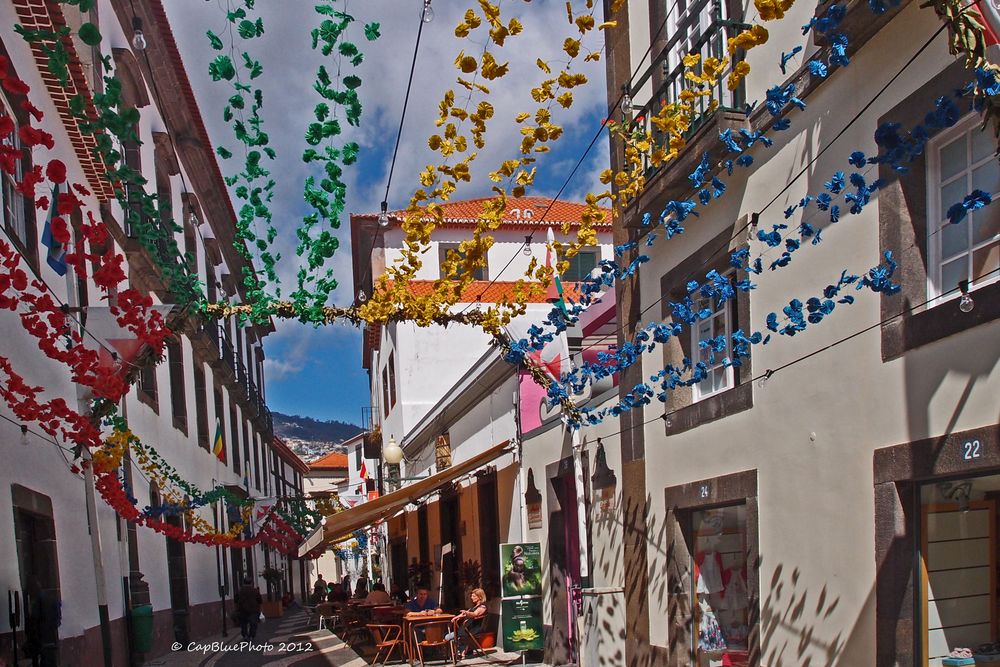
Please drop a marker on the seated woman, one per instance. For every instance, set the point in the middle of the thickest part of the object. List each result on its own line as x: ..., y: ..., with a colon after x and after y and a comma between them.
x: 469, y: 623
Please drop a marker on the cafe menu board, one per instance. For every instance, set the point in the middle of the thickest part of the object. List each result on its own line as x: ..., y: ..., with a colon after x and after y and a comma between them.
x: 521, y: 624
x: 521, y: 587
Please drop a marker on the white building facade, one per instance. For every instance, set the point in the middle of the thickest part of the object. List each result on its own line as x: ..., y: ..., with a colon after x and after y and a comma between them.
x: 212, y: 376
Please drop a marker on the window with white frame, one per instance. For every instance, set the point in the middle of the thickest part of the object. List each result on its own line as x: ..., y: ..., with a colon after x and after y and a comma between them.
x: 960, y: 160
x: 719, y: 376
x: 14, y: 218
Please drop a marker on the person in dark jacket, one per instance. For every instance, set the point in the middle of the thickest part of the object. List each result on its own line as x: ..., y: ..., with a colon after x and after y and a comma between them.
x: 248, y: 605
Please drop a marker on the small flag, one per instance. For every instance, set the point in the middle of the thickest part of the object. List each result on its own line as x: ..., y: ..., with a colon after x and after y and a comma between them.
x: 217, y: 447
x: 56, y: 256
x: 364, y: 471
x: 554, y: 294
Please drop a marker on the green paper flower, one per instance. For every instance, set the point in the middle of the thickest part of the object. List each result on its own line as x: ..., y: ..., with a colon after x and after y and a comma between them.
x: 372, y: 31
x: 223, y: 152
x: 221, y: 68
x: 90, y: 35
x: 352, y: 81
x: 214, y: 41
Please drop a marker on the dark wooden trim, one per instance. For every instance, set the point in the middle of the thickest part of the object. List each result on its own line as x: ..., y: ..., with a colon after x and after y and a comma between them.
x: 938, y: 457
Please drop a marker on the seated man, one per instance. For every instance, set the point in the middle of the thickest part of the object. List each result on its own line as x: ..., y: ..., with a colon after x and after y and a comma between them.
x: 423, y: 604
x: 378, y: 595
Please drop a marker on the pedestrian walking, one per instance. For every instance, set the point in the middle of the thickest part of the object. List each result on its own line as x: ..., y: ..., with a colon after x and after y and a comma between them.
x: 248, y: 605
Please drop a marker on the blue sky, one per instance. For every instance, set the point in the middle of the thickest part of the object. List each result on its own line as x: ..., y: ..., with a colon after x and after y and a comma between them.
x: 317, y: 372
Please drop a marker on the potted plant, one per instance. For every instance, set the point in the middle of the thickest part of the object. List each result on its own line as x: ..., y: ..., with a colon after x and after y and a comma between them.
x: 272, y: 608
x: 470, y: 575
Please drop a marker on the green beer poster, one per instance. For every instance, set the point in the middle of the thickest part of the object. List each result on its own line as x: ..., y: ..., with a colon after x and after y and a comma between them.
x: 521, y: 624
x: 521, y: 569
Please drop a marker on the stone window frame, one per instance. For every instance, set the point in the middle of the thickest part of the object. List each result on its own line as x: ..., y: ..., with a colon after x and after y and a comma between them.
x: 684, y: 413
x: 969, y: 124
x: 907, y: 323
x: 899, y: 472
x: 681, y: 501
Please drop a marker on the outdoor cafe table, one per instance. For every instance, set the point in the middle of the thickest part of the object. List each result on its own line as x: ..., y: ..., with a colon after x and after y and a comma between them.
x: 411, y: 620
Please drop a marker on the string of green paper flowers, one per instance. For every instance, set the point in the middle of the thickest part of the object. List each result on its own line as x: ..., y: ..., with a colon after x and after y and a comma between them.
x: 328, y: 197
x: 113, y: 125
x: 253, y: 185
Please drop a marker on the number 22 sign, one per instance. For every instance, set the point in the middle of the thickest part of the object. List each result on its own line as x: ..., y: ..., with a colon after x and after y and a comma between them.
x: 972, y: 450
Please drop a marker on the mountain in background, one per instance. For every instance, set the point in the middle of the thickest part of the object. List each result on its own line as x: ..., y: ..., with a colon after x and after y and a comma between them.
x: 311, y: 438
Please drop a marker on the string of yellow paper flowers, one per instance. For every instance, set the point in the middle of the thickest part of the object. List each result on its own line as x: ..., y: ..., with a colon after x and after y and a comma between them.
x: 392, y: 296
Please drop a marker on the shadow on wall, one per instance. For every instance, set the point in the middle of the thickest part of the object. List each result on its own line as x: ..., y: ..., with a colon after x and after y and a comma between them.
x: 795, y: 622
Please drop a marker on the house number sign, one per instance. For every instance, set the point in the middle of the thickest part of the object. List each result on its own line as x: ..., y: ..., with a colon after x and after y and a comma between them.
x: 972, y: 450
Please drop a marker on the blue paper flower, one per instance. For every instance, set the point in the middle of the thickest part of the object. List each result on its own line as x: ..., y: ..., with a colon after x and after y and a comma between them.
x: 786, y: 57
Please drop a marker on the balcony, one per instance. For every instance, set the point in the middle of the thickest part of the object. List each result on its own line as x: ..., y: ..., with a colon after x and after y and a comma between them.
x: 702, y: 30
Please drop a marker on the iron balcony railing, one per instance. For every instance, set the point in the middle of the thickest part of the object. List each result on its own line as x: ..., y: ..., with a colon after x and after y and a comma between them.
x: 705, y: 31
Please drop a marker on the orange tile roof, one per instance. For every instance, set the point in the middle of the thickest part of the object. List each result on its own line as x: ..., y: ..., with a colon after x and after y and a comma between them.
x: 332, y: 461
x: 520, y: 212
x: 483, y: 291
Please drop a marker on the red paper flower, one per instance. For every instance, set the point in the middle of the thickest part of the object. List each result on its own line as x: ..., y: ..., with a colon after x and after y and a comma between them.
x: 56, y: 171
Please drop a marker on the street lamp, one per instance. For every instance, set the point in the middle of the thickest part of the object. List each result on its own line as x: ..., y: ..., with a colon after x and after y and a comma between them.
x: 392, y: 453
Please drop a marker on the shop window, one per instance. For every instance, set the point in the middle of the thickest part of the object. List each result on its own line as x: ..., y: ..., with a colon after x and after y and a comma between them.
x: 444, y: 249
x: 721, y: 600
x: 712, y: 570
x: 580, y: 265
x: 958, y: 550
x: 961, y: 160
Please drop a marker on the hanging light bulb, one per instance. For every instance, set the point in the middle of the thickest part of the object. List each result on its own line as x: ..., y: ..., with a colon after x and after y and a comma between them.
x: 362, y: 297
x: 383, y: 216
x: 192, y: 219
x: 764, y: 378
x: 138, y: 39
x: 428, y: 14
x: 626, y: 100
x: 24, y: 435
x: 526, y: 251
x: 965, y: 304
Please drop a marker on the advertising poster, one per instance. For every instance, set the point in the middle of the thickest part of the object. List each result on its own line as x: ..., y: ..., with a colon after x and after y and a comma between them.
x: 521, y: 569
x: 521, y: 624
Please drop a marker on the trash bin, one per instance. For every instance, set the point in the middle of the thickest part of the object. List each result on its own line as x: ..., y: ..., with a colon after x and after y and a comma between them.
x: 142, y: 628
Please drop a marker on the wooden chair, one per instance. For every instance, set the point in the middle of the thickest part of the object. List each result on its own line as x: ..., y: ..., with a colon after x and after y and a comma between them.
x: 353, y: 626
x: 388, y: 638
x: 433, y: 637
x: 328, y: 616
x: 471, y: 639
